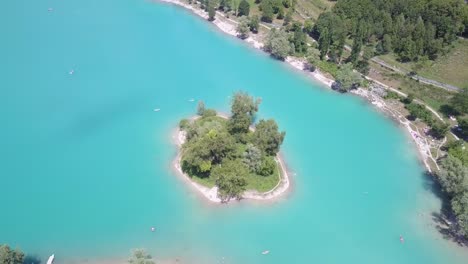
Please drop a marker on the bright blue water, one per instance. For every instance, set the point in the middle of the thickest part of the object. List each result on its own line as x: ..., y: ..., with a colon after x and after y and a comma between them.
x: 86, y: 163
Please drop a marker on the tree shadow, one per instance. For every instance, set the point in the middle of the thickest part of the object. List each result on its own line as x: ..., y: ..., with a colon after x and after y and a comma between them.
x: 459, y: 133
x: 444, y: 220
x: 448, y: 110
x: 29, y: 259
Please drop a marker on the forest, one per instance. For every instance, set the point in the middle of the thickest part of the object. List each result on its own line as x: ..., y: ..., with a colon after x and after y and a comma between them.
x: 411, y: 29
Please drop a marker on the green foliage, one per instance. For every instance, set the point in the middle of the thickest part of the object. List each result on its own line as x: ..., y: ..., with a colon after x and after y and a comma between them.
x: 230, y: 179
x: 243, y: 28
x: 418, y: 111
x: 10, y: 256
x: 311, y: 63
x: 267, y: 11
x: 244, y: 8
x: 211, y: 10
x: 363, y: 67
x: 463, y: 127
x: 209, y: 112
x: 409, y: 99
x: 184, y: 124
x: 267, y: 167
x: 331, y: 33
x: 391, y: 95
x: 454, y: 180
x: 226, y: 153
x: 252, y: 158
x: 328, y: 66
x: 460, y: 102
x: 438, y: 129
x: 277, y: 43
x: 458, y: 150
x: 309, y: 26
x: 200, y: 108
x: 412, y: 29
x: 299, y: 38
x: 243, y: 110
x: 254, y: 23
x: 280, y: 14
x: 288, y: 18
x: 267, y: 137
x: 346, y: 78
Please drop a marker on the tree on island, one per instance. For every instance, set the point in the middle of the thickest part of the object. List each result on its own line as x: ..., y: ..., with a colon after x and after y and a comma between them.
x: 230, y: 179
x: 267, y: 137
x: 243, y: 110
x: 139, y: 256
x: 200, y: 108
x: 244, y: 8
x: 226, y: 153
x: 10, y: 256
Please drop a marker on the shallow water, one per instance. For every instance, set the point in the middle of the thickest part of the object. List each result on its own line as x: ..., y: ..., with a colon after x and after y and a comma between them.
x: 86, y: 162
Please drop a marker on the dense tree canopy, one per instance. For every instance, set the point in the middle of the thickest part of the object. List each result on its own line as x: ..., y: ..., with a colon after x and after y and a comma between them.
x: 331, y: 33
x: 254, y: 23
x: 244, y: 8
x: 410, y: 28
x: 243, y: 109
x: 226, y: 152
x: 454, y: 180
x: 267, y: 11
x: 231, y: 179
x: 267, y: 137
x: 277, y: 44
x: 346, y: 78
x: 10, y: 256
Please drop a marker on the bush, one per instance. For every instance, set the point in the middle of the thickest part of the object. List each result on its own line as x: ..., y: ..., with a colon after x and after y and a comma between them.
x: 184, y: 124
x: 209, y: 112
x: 391, y: 95
x: 267, y: 167
x: 409, y: 99
x: 278, y: 44
x: 439, y: 129
x: 419, y: 111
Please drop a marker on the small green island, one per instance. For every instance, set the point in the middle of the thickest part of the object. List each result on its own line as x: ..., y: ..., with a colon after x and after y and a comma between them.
x: 233, y: 156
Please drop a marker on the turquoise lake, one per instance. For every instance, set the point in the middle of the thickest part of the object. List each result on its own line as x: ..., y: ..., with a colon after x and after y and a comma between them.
x: 86, y: 163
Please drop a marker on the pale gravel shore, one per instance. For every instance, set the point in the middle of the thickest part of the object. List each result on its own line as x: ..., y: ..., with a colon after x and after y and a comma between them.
x: 229, y: 26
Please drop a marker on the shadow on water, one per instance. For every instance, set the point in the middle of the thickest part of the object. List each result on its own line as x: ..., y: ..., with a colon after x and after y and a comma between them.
x: 29, y: 259
x: 444, y: 220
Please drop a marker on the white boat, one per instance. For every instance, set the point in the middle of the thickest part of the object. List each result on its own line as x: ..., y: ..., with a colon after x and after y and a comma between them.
x: 51, y: 259
x: 265, y: 252
x: 156, y: 109
x: 191, y: 100
x: 71, y: 72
